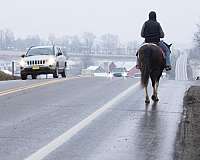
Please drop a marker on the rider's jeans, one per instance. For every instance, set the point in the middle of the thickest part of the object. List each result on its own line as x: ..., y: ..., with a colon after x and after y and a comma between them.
x: 167, y: 52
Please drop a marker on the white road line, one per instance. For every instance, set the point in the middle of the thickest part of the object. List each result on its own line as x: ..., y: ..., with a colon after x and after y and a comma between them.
x: 57, y: 142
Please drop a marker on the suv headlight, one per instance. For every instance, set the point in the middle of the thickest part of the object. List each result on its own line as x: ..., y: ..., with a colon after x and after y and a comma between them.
x: 51, y: 61
x: 22, y: 63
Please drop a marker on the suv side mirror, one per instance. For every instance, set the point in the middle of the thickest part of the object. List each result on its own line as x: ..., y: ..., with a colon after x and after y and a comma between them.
x: 59, y: 54
x: 23, y: 55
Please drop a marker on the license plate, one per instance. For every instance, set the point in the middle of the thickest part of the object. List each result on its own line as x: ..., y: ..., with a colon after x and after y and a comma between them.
x: 35, y: 67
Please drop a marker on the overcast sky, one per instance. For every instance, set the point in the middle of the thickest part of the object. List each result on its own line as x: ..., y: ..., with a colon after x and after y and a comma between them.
x: 178, y: 18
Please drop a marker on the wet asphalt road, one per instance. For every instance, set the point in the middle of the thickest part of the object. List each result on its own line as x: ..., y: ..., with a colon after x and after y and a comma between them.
x: 127, y: 130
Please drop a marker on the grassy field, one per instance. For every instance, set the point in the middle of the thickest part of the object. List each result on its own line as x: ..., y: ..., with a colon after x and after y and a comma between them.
x: 4, y: 77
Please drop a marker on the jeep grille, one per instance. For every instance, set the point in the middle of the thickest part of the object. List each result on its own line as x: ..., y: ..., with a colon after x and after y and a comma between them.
x: 36, y: 62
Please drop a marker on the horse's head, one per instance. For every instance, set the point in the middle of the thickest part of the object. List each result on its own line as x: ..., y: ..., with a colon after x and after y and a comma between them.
x: 168, y: 45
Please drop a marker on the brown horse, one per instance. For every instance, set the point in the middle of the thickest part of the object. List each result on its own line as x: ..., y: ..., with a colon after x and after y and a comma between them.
x: 152, y: 65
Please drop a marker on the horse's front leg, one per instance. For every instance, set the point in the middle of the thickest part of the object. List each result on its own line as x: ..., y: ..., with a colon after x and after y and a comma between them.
x: 146, y: 95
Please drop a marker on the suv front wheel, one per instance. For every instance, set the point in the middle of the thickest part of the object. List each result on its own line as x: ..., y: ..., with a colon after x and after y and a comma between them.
x: 23, y: 76
x: 63, y: 73
x: 55, y: 74
x: 34, y: 76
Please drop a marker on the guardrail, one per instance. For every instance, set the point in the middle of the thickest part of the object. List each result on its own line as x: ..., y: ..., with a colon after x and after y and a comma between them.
x: 12, y: 67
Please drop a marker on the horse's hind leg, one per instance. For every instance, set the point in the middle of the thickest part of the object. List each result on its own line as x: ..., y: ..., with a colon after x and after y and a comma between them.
x: 146, y: 95
x: 155, y: 91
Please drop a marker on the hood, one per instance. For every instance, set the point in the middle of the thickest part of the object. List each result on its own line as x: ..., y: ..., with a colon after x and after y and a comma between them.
x: 38, y: 57
x: 152, y: 16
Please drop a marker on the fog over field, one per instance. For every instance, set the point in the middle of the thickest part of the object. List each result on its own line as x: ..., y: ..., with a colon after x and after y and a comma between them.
x: 10, y: 55
x: 122, y: 17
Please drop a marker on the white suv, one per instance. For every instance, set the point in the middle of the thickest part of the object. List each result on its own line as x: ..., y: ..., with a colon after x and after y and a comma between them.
x: 43, y: 60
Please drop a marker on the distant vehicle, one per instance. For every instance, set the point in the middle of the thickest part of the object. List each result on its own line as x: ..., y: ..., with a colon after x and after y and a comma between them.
x: 137, y: 75
x: 119, y: 72
x: 43, y: 60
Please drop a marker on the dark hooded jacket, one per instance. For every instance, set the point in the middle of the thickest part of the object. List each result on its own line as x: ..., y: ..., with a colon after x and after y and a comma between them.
x: 152, y: 30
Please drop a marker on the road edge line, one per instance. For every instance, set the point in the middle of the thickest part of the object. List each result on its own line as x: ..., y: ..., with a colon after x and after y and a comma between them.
x: 60, y: 140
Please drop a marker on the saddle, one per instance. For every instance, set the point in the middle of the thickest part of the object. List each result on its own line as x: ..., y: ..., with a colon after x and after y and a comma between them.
x: 138, y: 64
x: 157, y: 44
x: 167, y: 67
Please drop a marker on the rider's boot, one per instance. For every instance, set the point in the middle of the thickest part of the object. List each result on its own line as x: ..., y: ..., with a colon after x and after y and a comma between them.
x: 167, y: 52
x: 168, y: 66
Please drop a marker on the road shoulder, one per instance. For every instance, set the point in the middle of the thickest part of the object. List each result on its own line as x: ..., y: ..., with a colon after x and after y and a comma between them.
x: 188, y: 137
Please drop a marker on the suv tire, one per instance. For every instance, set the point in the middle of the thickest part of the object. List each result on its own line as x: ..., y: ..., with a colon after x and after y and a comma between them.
x: 23, y: 76
x: 34, y: 76
x: 63, y: 73
x: 55, y: 74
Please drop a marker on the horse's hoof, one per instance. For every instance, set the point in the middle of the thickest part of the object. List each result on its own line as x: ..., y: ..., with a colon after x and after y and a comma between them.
x: 154, y: 98
x: 147, y: 101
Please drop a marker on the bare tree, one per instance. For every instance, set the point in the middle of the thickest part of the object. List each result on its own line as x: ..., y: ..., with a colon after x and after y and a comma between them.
x: 197, y: 36
x: 32, y: 40
x: 132, y: 47
x: 88, y: 41
x: 194, y: 53
x: 52, y: 39
x: 9, y: 39
x: 109, y: 43
x: 64, y: 41
x: 87, y: 61
x: 2, y: 39
x: 75, y: 44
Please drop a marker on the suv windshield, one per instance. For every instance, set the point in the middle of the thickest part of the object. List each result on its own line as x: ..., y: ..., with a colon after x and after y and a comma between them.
x: 40, y: 51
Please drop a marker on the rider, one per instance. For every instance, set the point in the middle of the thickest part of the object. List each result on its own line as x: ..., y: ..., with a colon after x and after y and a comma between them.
x: 152, y: 32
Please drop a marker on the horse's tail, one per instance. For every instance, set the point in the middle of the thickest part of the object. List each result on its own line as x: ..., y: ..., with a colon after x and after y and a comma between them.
x: 145, y: 72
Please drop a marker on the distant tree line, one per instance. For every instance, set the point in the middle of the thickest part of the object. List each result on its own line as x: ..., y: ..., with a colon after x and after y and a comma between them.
x: 87, y: 43
x: 195, y: 52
